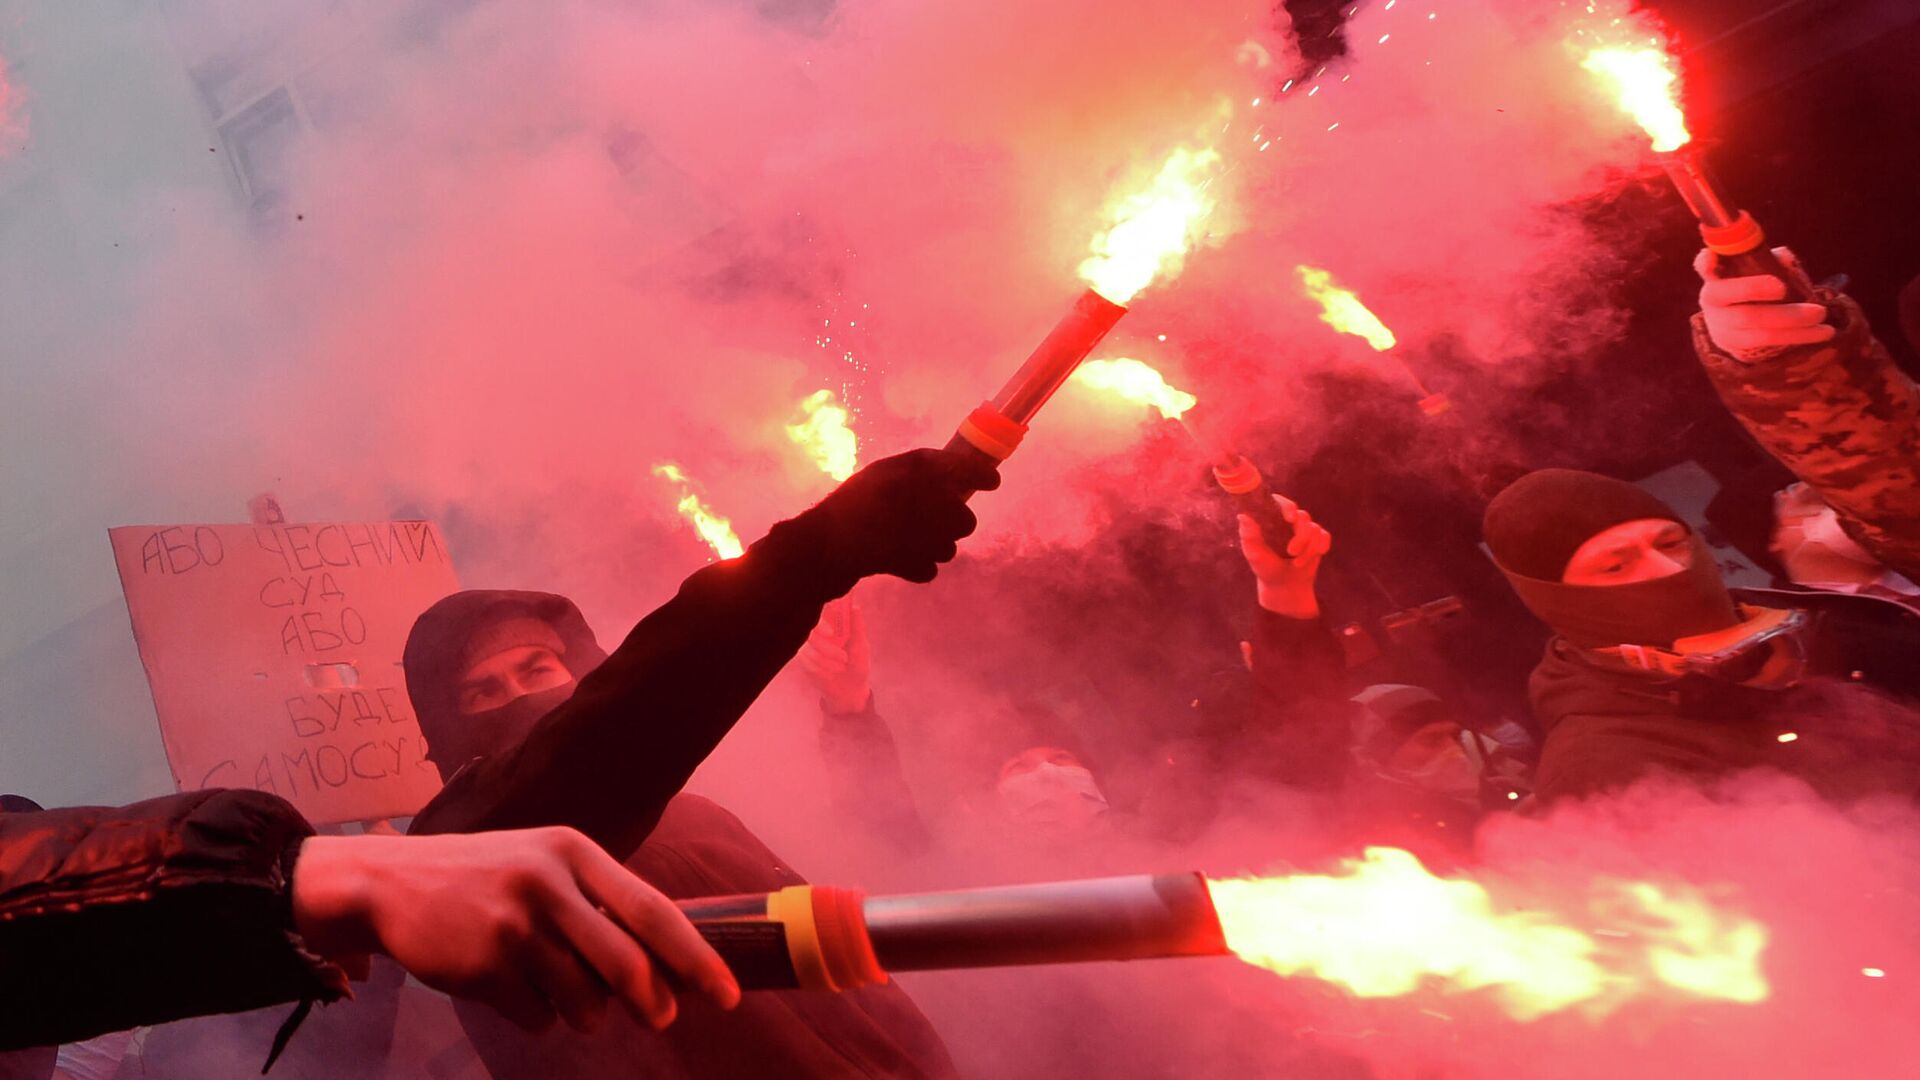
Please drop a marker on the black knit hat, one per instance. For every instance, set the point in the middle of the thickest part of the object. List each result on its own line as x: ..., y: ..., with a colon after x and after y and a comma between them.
x: 18, y: 804
x: 1541, y: 519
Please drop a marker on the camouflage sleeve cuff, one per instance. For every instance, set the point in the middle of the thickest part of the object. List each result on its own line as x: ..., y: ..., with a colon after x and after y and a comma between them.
x: 1788, y: 364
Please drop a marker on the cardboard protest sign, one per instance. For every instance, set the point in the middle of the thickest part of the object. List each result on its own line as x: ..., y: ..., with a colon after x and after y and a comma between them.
x: 274, y: 652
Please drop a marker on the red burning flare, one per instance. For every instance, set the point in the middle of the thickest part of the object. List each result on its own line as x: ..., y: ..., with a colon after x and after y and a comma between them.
x: 1385, y: 926
x: 1647, y: 88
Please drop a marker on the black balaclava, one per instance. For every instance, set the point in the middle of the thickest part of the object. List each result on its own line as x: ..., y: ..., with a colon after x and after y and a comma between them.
x: 1540, y: 520
x: 438, y: 651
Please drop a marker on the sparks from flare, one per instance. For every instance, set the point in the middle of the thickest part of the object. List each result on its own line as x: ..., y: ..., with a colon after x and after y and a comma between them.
x: 1646, y: 88
x: 823, y: 433
x: 1135, y: 381
x: 1152, y: 229
x: 1387, y: 926
x: 717, y: 531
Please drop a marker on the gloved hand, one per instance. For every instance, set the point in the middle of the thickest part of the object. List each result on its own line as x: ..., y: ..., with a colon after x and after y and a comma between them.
x: 1285, y: 580
x: 902, y: 515
x: 1748, y: 316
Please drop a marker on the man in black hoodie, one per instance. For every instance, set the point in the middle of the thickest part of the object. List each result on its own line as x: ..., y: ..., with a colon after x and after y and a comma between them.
x: 531, y: 723
x: 1656, y: 666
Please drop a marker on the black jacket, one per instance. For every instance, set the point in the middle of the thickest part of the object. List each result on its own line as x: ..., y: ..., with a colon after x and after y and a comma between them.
x: 699, y: 849
x: 113, y: 917
x: 1853, y: 719
x: 610, y: 762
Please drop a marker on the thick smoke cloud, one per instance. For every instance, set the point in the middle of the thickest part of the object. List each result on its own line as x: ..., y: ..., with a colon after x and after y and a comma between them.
x: 509, y: 256
x: 512, y: 257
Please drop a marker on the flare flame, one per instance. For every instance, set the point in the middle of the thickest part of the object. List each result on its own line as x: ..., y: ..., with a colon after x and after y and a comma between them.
x: 823, y: 433
x: 1341, y: 309
x: 717, y: 531
x: 1152, y: 229
x: 1644, y: 82
x: 1387, y: 926
x: 1135, y: 381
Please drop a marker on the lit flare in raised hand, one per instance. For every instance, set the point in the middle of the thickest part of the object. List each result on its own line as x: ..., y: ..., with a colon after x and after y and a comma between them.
x: 716, y: 530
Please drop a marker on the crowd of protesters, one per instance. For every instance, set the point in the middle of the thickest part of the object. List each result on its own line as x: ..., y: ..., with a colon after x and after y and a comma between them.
x: 537, y: 887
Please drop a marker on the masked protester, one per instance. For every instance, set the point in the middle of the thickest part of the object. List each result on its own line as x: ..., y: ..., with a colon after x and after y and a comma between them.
x: 530, y: 722
x: 1656, y: 666
x: 1812, y: 384
x: 1050, y: 794
x: 483, y: 670
x: 1042, y: 793
x: 628, y: 735
x: 1398, y: 763
x: 1040, y: 796
x: 1413, y: 752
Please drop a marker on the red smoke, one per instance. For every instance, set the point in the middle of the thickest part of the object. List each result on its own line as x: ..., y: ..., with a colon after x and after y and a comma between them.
x: 531, y: 250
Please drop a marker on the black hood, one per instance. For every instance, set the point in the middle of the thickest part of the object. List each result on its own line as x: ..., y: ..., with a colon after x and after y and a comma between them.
x: 439, y: 639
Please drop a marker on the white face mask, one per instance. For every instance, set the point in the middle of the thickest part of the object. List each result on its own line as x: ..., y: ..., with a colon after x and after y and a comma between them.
x: 1451, y: 773
x: 1060, y: 798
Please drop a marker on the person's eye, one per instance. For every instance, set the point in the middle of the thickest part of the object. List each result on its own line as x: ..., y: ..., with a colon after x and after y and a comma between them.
x: 481, y: 697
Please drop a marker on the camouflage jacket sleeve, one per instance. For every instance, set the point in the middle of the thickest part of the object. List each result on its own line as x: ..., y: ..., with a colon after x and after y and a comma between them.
x: 1843, y: 418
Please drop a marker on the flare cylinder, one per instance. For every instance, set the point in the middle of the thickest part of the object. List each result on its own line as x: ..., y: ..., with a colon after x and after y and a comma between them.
x: 997, y: 426
x: 1731, y: 234
x: 815, y: 937
x: 1242, y: 480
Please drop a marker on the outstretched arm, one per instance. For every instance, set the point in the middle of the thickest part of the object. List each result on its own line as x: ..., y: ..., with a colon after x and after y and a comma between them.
x: 1823, y: 396
x: 224, y: 901
x: 1296, y: 662
x: 863, y: 763
x: 608, y: 760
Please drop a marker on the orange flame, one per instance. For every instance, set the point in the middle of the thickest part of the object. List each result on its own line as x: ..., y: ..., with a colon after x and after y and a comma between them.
x: 1387, y: 926
x: 1341, y: 309
x: 717, y: 531
x: 1152, y: 229
x: 823, y: 433
x: 1135, y: 381
x: 1648, y: 90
